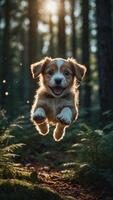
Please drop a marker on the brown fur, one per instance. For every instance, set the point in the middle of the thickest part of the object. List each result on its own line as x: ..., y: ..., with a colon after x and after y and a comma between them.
x: 52, y: 105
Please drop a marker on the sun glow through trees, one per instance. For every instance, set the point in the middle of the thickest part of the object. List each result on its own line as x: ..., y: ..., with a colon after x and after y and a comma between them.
x: 51, y: 6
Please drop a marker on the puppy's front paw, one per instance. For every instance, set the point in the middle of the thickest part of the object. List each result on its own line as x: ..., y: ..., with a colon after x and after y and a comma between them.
x: 39, y: 116
x: 65, y: 116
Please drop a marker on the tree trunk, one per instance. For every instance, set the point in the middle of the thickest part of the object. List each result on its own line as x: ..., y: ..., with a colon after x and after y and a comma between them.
x: 105, y: 54
x: 33, y: 39
x: 5, y: 71
x: 85, y: 53
x: 61, y: 30
x: 33, y: 34
x: 73, y: 37
x: 51, y: 48
x: 1, y: 39
x: 24, y: 69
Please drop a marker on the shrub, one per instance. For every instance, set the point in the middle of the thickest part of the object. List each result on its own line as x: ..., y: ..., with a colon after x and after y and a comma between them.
x: 94, y: 152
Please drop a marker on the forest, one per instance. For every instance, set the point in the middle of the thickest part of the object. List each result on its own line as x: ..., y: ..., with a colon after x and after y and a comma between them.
x: 81, y: 165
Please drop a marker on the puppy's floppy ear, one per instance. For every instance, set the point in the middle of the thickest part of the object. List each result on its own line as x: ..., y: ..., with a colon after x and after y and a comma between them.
x: 37, y: 68
x: 79, y: 70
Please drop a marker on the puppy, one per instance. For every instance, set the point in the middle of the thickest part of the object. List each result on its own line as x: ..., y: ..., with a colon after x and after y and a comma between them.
x: 56, y: 100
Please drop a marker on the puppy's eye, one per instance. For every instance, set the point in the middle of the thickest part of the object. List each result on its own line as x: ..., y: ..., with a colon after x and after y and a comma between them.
x: 66, y: 73
x: 50, y: 73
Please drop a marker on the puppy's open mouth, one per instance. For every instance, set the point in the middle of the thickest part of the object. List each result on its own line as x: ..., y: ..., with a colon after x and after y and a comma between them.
x: 57, y: 90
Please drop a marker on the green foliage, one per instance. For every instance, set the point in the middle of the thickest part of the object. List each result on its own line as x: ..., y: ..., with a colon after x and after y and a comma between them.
x: 15, y: 189
x: 94, y: 153
x: 94, y: 147
x: 8, y: 148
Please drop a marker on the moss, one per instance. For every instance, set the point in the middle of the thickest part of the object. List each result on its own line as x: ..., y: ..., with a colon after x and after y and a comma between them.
x: 16, y: 189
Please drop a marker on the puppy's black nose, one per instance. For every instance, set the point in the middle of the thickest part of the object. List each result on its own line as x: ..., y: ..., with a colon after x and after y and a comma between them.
x: 58, y: 81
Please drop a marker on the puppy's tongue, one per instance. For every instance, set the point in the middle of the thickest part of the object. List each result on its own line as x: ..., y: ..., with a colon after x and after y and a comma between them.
x: 57, y: 90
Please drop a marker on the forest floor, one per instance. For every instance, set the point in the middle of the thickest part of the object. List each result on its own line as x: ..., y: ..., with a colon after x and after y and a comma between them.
x: 55, y: 168
x: 53, y: 179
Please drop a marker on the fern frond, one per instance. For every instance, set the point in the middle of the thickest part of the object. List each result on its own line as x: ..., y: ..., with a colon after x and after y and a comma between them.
x: 11, y: 148
x: 4, y: 137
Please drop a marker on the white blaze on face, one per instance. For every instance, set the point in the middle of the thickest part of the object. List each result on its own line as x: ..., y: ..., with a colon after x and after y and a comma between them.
x: 59, y: 63
x: 58, y: 74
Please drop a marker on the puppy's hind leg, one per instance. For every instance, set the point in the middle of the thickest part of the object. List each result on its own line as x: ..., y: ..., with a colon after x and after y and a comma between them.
x: 59, y: 132
x: 43, y: 128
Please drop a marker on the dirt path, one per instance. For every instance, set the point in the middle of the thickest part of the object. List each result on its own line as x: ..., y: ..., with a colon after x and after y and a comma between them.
x: 51, y: 173
x: 53, y: 179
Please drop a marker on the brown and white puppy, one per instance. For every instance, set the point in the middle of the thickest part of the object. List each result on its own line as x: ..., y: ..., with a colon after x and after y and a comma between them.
x: 56, y: 100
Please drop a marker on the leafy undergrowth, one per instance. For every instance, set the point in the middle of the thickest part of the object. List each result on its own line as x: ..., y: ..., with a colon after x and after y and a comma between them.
x: 78, y: 167
x: 20, y: 189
